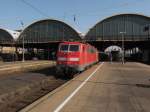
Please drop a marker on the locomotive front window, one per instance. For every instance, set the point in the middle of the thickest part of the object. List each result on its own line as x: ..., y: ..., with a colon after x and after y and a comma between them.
x: 74, y: 48
x: 64, y: 47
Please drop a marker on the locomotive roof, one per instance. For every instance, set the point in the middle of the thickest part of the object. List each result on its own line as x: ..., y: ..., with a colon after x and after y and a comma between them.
x: 66, y: 42
x: 71, y: 42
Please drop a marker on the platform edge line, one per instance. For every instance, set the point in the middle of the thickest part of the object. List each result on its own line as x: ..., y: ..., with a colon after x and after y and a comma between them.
x: 77, y: 89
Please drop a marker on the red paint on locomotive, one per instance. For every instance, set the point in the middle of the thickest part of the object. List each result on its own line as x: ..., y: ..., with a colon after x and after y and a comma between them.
x: 76, y: 56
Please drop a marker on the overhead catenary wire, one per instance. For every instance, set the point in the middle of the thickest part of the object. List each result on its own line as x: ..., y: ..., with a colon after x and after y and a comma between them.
x: 79, y: 15
x: 67, y: 14
x: 35, y: 8
x: 107, y: 9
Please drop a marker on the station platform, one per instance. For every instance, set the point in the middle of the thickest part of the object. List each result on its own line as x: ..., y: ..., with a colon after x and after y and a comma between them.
x: 105, y: 87
x: 9, y: 67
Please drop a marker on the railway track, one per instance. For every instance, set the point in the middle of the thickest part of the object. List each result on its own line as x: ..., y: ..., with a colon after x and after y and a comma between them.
x: 18, y: 91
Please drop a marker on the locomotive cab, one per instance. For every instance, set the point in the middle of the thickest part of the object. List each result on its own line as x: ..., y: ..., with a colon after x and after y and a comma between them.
x: 68, y: 57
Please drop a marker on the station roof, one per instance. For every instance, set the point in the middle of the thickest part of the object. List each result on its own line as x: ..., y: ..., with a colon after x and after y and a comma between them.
x: 110, y: 27
x: 48, y: 30
x: 8, y: 36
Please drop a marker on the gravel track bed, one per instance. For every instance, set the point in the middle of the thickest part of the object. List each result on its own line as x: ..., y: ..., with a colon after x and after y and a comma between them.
x: 20, y: 90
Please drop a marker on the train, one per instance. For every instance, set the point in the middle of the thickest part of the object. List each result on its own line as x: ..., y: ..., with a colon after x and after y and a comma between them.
x: 73, y: 57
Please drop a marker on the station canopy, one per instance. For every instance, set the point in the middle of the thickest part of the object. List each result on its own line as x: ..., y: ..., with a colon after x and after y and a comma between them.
x: 130, y: 26
x: 48, y: 30
x: 8, y: 36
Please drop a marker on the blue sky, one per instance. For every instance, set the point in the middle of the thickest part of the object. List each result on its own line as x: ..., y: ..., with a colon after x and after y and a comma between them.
x: 87, y: 12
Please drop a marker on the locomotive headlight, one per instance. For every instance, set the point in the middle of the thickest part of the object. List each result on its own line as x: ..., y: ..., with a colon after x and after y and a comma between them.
x: 74, y: 59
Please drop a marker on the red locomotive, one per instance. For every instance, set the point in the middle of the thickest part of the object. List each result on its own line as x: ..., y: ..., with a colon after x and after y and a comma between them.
x: 75, y: 57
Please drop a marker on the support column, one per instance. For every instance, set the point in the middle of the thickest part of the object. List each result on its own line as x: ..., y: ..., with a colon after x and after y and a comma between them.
x: 146, y: 56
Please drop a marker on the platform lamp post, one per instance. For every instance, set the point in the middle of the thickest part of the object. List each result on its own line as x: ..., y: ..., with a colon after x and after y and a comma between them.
x: 122, y: 36
x: 22, y: 24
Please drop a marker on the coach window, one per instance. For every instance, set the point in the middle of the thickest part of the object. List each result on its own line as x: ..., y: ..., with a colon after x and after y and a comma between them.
x: 88, y: 50
x: 92, y: 50
x: 74, y: 48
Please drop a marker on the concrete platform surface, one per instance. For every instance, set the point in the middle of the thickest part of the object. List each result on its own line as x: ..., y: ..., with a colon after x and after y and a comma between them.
x: 20, y: 63
x: 23, y: 66
x: 103, y: 88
